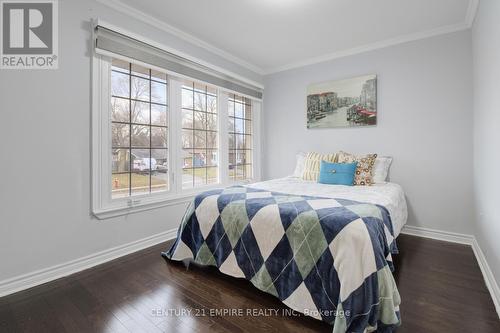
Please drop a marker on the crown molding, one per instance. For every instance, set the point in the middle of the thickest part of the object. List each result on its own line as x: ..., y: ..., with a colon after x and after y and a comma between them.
x: 471, y: 12
x: 372, y: 46
x: 146, y: 18
x: 131, y: 11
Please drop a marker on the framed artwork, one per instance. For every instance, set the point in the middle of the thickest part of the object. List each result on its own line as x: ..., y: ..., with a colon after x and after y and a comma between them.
x: 343, y: 103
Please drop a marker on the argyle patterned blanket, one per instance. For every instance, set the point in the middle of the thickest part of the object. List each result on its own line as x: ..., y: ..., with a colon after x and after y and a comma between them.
x: 326, y: 258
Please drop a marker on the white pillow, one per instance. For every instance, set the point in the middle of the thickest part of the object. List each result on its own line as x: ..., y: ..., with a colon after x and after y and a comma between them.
x: 381, y: 169
x: 300, y: 164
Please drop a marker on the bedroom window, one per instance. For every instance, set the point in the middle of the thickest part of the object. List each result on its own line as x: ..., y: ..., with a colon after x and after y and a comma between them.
x: 139, y: 128
x: 199, y: 135
x: 160, y: 126
x: 240, y: 138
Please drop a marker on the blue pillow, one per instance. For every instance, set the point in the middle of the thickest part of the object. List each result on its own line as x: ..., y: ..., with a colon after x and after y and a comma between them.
x: 337, y: 173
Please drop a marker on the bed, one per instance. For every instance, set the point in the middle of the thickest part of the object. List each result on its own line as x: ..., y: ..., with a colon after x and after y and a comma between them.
x: 323, y: 250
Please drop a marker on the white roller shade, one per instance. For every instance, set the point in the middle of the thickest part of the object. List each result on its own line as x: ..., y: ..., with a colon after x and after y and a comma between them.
x: 111, y: 41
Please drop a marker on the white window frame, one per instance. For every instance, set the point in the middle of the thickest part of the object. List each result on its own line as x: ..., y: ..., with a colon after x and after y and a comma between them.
x: 103, y: 206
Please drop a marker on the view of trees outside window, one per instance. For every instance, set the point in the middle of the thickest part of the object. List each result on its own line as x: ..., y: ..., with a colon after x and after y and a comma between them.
x: 139, y: 129
x: 240, y: 137
x: 200, y: 154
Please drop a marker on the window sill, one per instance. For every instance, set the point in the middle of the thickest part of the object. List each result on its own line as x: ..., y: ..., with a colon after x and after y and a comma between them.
x: 140, y: 204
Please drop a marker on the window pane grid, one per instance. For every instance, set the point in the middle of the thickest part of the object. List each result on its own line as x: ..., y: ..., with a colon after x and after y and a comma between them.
x: 199, y: 135
x: 139, y: 100
x: 127, y: 70
x: 200, y: 111
x: 199, y: 92
x: 239, y: 118
x: 139, y: 124
x: 239, y: 133
x: 240, y: 100
x: 240, y: 136
x: 198, y: 129
x: 139, y: 141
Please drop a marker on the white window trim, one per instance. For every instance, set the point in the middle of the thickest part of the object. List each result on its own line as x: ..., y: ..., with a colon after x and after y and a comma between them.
x: 103, y: 206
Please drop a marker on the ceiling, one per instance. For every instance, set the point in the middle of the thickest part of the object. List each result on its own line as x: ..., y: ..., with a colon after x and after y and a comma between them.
x: 272, y: 35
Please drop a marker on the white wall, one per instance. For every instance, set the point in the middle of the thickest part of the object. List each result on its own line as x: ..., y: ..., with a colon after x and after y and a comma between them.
x: 45, y: 147
x: 486, y: 55
x: 424, y: 122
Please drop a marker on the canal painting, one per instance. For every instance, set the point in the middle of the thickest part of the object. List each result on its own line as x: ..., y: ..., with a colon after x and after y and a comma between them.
x: 344, y: 103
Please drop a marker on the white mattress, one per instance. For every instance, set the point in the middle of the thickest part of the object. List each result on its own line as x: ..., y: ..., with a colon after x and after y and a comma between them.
x: 389, y: 195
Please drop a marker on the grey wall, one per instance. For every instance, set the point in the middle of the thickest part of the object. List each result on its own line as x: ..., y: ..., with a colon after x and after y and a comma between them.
x: 486, y: 55
x: 45, y: 153
x: 425, y: 123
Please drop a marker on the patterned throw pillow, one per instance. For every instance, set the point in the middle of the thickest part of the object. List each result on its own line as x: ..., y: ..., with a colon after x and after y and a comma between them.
x: 364, y: 171
x: 312, y: 164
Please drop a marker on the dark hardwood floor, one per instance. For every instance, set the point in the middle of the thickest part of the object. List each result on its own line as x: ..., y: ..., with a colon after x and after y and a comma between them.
x: 441, y: 286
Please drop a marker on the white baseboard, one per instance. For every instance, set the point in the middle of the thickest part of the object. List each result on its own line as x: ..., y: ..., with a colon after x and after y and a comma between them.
x: 438, y: 235
x: 35, y: 278
x: 446, y: 236
x: 489, y: 278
